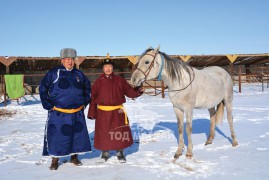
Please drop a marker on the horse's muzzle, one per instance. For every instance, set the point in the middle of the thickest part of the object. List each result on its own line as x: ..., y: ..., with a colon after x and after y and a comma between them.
x: 136, y: 82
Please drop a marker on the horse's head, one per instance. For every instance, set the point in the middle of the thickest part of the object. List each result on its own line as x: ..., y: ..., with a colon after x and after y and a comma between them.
x: 148, y: 67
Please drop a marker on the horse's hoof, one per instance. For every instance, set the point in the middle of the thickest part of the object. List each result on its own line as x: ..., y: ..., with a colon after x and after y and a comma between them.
x: 208, y: 142
x: 234, y: 144
x: 189, y: 156
x: 176, y: 156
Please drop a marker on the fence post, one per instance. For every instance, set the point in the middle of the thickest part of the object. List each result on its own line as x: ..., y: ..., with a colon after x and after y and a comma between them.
x: 248, y: 74
x: 267, y: 80
x: 155, y: 87
x: 7, y: 69
x: 266, y: 75
x: 239, y: 79
x: 262, y: 81
x: 231, y: 70
x: 162, y: 89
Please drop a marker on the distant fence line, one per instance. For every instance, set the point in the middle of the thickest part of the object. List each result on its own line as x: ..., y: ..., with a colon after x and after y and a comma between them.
x: 154, y: 87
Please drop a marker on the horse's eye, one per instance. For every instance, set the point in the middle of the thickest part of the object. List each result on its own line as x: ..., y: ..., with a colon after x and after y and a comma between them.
x: 147, y: 62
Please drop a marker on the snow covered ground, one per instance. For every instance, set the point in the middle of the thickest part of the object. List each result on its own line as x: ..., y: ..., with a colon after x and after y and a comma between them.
x: 150, y: 157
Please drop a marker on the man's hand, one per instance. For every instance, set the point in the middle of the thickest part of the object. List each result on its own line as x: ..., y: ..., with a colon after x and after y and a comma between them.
x: 91, y: 118
x: 141, y: 89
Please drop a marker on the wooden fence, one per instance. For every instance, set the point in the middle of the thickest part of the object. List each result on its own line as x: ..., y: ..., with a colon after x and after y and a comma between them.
x: 154, y: 87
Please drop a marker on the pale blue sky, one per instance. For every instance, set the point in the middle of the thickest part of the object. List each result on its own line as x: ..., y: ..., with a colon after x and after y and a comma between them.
x: 128, y: 27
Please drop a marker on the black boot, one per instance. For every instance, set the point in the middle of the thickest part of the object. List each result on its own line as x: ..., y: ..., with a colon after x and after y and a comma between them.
x: 121, y: 156
x: 104, y: 157
x: 75, y: 161
x: 54, y: 164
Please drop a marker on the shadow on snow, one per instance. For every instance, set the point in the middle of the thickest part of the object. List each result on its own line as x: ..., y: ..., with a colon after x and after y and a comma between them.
x: 199, y: 126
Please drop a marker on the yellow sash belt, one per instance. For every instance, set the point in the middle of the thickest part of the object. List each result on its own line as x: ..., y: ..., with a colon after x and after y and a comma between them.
x: 68, y: 111
x: 111, y: 108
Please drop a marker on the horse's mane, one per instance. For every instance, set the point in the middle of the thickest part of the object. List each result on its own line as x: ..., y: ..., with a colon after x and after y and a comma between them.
x: 173, y: 65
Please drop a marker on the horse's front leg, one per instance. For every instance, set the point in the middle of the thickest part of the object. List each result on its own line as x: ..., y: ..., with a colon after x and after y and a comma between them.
x: 179, y: 114
x: 189, y: 115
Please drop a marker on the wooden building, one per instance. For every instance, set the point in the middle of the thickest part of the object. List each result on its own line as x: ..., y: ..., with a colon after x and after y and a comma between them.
x: 34, y: 68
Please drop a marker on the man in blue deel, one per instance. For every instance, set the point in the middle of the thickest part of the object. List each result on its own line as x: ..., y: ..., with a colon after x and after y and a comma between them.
x: 65, y: 92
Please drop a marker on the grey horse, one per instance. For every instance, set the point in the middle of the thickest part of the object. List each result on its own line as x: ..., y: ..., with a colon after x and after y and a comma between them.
x: 189, y: 88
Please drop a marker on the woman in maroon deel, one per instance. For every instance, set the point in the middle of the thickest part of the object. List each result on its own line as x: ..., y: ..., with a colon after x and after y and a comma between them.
x: 112, y: 130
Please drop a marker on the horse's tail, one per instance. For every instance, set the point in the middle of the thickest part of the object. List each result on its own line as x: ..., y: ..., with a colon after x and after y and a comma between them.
x: 219, y: 113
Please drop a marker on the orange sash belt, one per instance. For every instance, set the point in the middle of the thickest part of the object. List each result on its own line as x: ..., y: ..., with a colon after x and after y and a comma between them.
x: 68, y: 111
x: 112, y: 108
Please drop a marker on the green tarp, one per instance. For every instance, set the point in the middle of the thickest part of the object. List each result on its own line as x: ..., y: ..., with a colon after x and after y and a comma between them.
x: 14, y: 86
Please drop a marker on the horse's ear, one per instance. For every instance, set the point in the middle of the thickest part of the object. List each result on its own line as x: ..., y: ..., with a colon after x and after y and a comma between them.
x: 157, y: 49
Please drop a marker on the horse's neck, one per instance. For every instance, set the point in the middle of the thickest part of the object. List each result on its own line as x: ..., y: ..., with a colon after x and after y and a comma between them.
x: 174, y: 85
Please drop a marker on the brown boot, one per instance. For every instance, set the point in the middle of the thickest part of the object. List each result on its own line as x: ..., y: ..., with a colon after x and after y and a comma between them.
x: 75, y: 161
x: 54, y: 164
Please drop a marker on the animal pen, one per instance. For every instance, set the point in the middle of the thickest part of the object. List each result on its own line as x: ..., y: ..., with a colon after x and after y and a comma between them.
x: 244, y: 68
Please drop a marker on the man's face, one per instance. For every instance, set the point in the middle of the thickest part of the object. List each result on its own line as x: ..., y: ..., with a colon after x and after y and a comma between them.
x: 68, y: 63
x: 108, y: 69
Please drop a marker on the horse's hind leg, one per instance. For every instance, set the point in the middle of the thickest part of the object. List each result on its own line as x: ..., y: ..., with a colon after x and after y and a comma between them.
x: 179, y: 114
x: 212, y: 113
x: 230, y: 120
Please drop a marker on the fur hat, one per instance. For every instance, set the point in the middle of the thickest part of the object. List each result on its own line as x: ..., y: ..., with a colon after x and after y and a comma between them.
x: 68, y: 53
x: 108, y: 61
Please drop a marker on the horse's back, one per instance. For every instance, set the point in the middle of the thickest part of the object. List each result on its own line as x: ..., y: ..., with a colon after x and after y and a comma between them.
x: 213, y: 85
x: 223, y: 76
x: 219, y: 73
